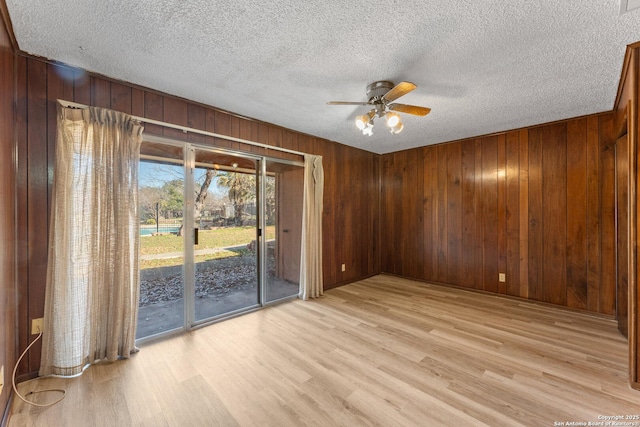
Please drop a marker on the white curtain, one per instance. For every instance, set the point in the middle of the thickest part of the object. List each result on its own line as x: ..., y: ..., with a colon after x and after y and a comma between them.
x: 92, y: 289
x: 311, y: 250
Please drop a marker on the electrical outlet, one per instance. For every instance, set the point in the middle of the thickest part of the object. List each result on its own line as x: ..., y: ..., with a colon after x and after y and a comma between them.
x: 37, y: 325
x: 344, y: 267
x: 502, y: 277
x: 1, y: 378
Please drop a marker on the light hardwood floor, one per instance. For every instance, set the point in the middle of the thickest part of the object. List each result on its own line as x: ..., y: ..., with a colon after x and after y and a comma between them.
x: 383, y: 351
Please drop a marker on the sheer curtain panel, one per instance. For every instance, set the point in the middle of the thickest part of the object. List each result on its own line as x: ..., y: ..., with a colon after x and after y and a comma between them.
x: 311, y: 253
x: 92, y: 289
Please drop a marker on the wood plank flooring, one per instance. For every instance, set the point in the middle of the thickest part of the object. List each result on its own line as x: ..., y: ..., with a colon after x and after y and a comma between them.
x: 383, y: 351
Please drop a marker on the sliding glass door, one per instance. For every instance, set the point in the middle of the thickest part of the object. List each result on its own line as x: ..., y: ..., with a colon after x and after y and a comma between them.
x: 162, y: 285
x: 226, y: 223
x: 284, y: 185
x: 220, y: 234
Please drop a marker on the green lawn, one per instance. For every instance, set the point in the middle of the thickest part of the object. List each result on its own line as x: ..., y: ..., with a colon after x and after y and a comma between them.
x: 170, y: 262
x: 218, y: 238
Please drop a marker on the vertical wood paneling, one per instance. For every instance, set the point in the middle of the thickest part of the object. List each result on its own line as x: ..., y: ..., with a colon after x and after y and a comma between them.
x: 454, y: 214
x: 121, y: 98
x: 222, y: 124
x: 607, y: 217
x: 332, y: 211
x: 137, y: 102
x: 22, y: 179
x: 235, y: 130
x: 346, y: 221
x: 622, y: 249
x: 577, y: 214
x: 469, y: 214
x: 196, y: 118
x: 478, y: 248
x: 343, y: 221
x: 375, y: 209
x: 594, y: 277
x: 290, y: 141
x: 307, y: 144
x: 370, y: 225
x: 401, y: 246
x: 354, y: 253
x: 435, y: 185
x: 398, y: 208
x: 502, y: 211
x: 554, y: 214
x: 153, y: 109
x: 523, y: 171
x: 402, y: 184
x: 490, y: 213
x: 58, y: 87
x: 210, y: 118
x: 441, y: 229
x: 429, y: 212
x: 254, y: 129
x: 512, y: 213
x: 275, y: 140
x: 100, y: 92
x: 240, y: 128
x: 412, y: 247
x: 387, y: 202
x: 535, y: 251
x: 417, y: 245
x: 37, y: 195
x: 529, y: 203
x: 8, y: 226
x: 262, y: 137
x: 81, y: 87
x: 175, y: 111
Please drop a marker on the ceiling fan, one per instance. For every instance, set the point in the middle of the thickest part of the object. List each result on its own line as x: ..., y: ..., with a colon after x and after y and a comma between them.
x: 381, y: 94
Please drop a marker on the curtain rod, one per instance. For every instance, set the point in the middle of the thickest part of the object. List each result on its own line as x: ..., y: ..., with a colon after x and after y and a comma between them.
x: 186, y: 129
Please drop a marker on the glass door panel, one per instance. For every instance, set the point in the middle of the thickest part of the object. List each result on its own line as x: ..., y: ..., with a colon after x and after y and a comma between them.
x: 226, y: 217
x: 220, y: 233
x: 284, y: 185
x: 161, y: 198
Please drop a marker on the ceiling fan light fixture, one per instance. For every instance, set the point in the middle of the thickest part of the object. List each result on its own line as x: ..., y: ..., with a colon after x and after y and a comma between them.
x: 393, y: 119
x: 362, y: 121
x: 397, y: 128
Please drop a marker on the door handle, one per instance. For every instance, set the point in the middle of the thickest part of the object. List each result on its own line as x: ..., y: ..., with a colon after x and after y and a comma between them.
x: 195, y: 236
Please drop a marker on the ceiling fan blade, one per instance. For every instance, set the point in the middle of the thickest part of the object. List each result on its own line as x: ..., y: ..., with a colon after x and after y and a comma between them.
x: 410, y: 109
x: 347, y: 103
x: 398, y: 90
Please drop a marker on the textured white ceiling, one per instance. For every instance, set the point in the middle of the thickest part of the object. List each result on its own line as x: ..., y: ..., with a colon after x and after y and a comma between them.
x: 482, y: 66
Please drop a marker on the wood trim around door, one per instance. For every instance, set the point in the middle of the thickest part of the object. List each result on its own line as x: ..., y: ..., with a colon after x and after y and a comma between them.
x: 632, y: 137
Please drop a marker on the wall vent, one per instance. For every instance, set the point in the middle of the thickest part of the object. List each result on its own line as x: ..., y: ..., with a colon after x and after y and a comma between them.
x: 628, y: 5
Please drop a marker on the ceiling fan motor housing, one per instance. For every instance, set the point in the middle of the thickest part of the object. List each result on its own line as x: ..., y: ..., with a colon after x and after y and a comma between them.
x: 378, y: 89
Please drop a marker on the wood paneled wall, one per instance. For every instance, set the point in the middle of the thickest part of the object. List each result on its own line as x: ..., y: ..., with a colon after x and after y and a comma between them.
x: 628, y: 121
x: 7, y: 215
x: 535, y: 204
x: 351, y: 198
